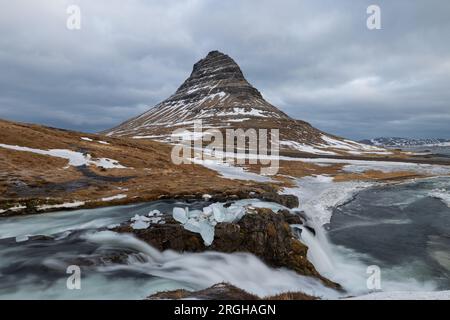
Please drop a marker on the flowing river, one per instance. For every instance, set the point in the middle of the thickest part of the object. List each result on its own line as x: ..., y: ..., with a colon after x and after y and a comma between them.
x: 404, y: 229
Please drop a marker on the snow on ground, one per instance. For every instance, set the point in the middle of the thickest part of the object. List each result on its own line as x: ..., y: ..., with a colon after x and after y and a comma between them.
x: 229, y: 171
x: 90, y: 140
x: 76, y: 159
x: 350, y: 145
x: 116, y: 197
x: 238, y: 120
x: 66, y: 205
x: 359, y: 166
x: 156, y: 137
x: 350, y: 166
x: 187, y: 135
x: 305, y: 148
x: 15, y: 208
x: 405, y: 295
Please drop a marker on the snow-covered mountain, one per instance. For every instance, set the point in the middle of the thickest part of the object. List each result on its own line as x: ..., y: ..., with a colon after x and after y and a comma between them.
x: 393, y: 142
x: 217, y: 93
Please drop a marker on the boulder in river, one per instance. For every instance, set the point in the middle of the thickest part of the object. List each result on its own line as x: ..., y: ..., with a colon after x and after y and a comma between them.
x: 261, y: 231
x: 225, y: 291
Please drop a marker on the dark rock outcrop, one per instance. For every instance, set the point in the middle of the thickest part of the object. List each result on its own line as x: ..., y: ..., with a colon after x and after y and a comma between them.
x: 263, y: 233
x: 288, y: 200
x: 225, y: 291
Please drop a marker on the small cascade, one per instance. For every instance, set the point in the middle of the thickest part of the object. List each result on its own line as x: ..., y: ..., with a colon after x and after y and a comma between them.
x: 319, y: 252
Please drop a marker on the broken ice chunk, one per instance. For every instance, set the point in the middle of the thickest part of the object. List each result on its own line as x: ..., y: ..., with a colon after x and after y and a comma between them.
x: 193, y: 226
x: 195, y: 213
x: 207, y: 232
x: 219, y: 212
x: 180, y: 215
x: 139, y: 225
x: 155, y: 213
x: 155, y: 220
x: 234, y: 213
x: 207, y: 211
x: 140, y: 218
x: 206, y: 196
x: 140, y: 222
x: 22, y: 238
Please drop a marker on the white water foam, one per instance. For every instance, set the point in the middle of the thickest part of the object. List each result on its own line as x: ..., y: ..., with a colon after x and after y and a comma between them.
x: 201, y: 270
x: 441, y: 194
x: 318, y: 196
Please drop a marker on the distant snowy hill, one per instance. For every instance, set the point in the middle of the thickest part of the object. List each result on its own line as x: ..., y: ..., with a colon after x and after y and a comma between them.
x: 217, y: 93
x: 392, y: 142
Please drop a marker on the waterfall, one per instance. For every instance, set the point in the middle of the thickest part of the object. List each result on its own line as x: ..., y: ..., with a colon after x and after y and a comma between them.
x: 319, y: 252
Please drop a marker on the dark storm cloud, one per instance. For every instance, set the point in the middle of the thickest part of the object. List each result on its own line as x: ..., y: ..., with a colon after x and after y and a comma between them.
x: 316, y: 60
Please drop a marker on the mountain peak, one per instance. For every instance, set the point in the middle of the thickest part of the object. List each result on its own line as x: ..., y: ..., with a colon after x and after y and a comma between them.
x: 217, y: 63
x: 217, y: 94
x: 217, y: 72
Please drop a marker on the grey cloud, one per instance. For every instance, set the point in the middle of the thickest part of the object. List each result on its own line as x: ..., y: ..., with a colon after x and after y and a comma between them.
x: 316, y: 60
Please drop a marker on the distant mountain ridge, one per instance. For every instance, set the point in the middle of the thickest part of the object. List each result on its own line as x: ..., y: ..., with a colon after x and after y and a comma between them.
x: 405, y: 142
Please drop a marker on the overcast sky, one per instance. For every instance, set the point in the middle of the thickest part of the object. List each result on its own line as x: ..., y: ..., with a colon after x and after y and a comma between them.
x: 316, y: 60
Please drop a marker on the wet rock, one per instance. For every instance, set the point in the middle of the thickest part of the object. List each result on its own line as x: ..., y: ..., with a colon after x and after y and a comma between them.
x: 220, y: 291
x: 288, y: 200
x: 225, y: 291
x: 261, y: 232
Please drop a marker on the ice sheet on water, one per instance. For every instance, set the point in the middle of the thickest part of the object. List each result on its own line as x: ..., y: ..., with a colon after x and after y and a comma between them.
x: 319, y: 194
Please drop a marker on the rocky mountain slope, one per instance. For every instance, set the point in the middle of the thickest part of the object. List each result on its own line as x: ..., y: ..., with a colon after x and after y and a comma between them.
x: 217, y: 93
x: 396, y: 142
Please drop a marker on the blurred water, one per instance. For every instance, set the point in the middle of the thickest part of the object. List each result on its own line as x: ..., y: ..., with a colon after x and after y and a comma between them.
x: 403, y: 228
